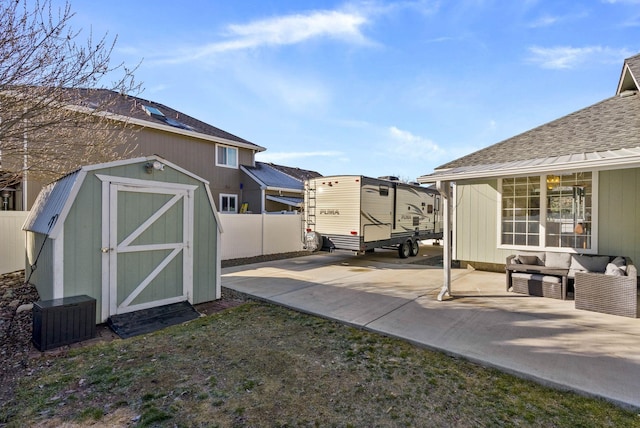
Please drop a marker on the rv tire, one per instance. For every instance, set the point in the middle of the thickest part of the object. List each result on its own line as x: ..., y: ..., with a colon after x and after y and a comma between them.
x: 404, y: 249
x: 414, y: 248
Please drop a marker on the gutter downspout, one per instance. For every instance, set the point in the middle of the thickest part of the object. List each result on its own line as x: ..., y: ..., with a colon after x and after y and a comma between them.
x: 445, y: 190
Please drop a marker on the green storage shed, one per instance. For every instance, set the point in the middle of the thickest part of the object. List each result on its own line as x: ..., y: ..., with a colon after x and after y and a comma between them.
x: 133, y: 234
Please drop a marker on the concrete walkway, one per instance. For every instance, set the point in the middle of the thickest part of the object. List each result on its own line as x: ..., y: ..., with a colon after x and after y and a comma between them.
x: 542, y: 339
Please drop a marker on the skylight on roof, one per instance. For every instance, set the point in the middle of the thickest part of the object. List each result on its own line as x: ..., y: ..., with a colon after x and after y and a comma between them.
x: 177, y: 123
x: 152, y: 111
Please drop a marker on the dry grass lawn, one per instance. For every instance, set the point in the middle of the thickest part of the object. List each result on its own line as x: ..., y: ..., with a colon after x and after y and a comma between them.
x: 260, y: 365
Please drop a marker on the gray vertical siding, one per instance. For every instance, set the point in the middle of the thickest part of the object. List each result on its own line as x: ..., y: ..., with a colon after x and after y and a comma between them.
x: 618, y: 218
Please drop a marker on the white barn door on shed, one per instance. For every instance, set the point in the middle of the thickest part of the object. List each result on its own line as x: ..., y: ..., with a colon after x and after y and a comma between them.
x: 147, y: 237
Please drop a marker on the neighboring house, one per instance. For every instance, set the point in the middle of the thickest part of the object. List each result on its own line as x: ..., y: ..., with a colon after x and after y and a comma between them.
x: 273, y: 188
x: 207, y: 151
x: 571, y: 185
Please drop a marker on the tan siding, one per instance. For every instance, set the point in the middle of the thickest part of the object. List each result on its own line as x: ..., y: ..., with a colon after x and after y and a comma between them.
x: 196, y: 156
x: 251, y: 194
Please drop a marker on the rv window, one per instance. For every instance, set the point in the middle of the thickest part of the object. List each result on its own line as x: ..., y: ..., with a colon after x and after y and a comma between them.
x: 384, y: 190
x: 429, y: 209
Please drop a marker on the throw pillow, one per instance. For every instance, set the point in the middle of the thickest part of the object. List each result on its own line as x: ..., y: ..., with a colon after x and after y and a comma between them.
x: 614, y: 270
x: 620, y: 262
x: 558, y: 260
x: 583, y: 263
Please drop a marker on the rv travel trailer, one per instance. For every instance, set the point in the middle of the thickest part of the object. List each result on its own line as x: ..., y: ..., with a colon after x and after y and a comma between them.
x: 360, y: 214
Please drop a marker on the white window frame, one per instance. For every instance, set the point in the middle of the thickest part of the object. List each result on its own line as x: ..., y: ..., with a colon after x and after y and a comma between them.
x: 543, y: 218
x: 219, y: 161
x: 230, y: 196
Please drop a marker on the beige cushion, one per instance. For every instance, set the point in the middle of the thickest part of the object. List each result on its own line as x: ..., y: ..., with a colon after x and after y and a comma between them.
x: 557, y: 260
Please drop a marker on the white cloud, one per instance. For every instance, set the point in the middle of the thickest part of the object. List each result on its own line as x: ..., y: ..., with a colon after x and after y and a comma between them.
x: 298, y: 92
x: 158, y: 88
x: 413, y: 146
x: 297, y: 28
x: 566, y: 57
x: 622, y: 1
x: 632, y: 22
x: 282, y: 31
x: 544, y: 21
x: 549, y: 20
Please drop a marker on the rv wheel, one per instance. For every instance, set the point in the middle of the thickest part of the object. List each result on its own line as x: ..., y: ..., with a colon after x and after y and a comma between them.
x: 414, y: 249
x: 404, y: 249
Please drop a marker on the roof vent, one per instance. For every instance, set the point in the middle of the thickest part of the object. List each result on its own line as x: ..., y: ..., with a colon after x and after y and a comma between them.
x: 627, y: 93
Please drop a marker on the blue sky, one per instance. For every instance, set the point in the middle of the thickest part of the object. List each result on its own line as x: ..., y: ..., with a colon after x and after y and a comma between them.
x: 371, y: 87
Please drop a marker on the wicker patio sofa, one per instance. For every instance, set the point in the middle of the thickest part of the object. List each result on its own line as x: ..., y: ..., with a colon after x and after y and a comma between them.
x: 612, y: 292
x: 543, y: 273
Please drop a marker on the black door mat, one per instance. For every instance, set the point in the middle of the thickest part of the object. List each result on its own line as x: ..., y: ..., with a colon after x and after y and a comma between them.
x: 152, y: 319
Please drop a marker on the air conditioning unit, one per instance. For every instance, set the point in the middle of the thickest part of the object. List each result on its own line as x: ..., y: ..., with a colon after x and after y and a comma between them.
x: 60, y: 322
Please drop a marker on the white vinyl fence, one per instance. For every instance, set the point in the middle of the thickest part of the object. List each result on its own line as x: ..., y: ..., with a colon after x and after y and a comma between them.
x: 244, y: 235
x: 12, y: 241
x: 249, y: 235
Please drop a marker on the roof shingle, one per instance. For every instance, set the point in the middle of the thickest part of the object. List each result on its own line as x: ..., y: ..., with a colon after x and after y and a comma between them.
x: 131, y: 106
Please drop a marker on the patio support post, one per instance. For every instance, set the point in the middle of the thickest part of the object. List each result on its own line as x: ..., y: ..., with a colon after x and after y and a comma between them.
x: 445, y: 192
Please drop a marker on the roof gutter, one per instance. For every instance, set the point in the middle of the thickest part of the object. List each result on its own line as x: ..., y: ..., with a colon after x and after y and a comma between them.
x: 500, y: 170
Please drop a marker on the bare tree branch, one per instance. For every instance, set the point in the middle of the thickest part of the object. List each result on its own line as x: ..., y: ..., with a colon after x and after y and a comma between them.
x: 53, y: 98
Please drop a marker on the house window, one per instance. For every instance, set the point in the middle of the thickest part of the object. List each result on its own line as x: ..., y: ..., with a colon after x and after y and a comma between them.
x: 227, y: 156
x: 228, y: 203
x: 521, y: 211
x: 569, y: 210
x: 549, y: 211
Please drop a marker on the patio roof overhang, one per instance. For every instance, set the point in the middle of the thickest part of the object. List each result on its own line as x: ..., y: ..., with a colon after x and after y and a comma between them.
x: 607, y: 160
x: 612, y: 159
